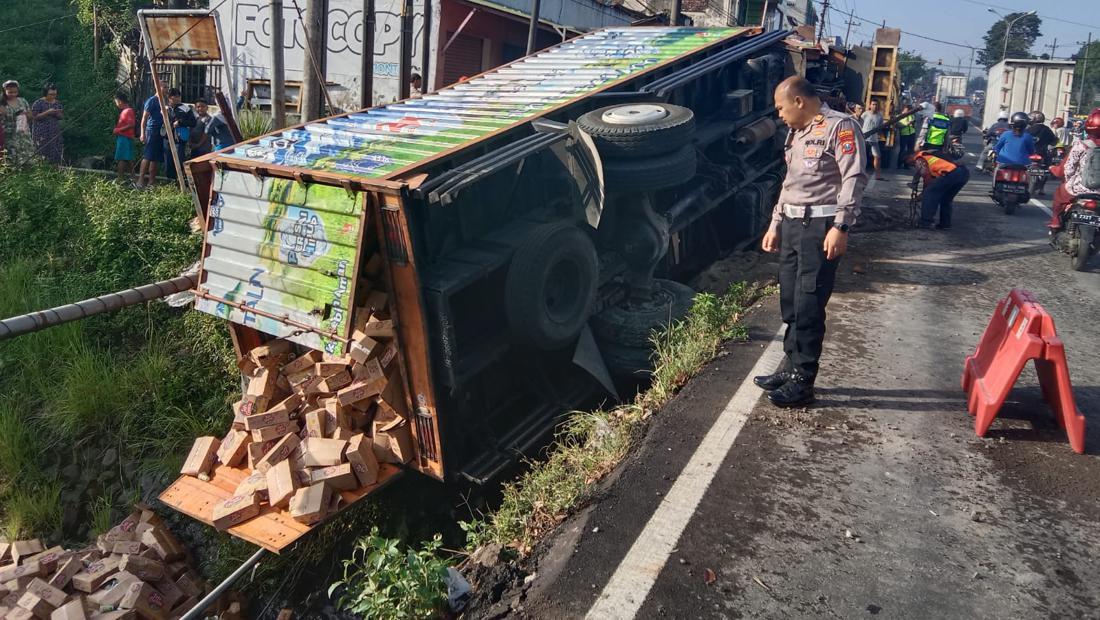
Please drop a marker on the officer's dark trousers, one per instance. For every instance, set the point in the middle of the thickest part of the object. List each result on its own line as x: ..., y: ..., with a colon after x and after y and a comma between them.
x: 940, y: 195
x: 805, y: 284
x: 905, y: 148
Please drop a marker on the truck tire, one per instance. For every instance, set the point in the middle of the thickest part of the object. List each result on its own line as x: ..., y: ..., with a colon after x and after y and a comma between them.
x: 550, y: 286
x: 1010, y: 205
x: 650, y: 173
x: 638, y: 130
x: 627, y: 362
x: 632, y: 324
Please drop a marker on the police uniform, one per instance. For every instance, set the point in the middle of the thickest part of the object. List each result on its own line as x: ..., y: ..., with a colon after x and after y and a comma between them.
x: 934, y: 134
x: 823, y: 189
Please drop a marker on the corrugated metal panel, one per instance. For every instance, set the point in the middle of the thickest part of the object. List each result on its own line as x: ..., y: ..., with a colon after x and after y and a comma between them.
x: 281, y: 257
x: 378, y: 142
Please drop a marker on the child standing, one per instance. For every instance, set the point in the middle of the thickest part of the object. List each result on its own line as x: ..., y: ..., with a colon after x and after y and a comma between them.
x: 124, y: 136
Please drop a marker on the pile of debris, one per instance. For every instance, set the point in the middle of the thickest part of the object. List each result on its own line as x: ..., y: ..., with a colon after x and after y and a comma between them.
x: 311, y: 425
x: 138, y: 569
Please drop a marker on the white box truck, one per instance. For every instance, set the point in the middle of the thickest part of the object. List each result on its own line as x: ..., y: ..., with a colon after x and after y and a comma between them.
x: 950, y: 86
x: 1024, y: 85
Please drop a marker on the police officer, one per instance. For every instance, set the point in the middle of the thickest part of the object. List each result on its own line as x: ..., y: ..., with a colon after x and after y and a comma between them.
x: 933, y: 135
x: 819, y: 202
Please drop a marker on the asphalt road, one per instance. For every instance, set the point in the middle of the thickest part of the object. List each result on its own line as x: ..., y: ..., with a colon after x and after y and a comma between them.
x: 880, y: 500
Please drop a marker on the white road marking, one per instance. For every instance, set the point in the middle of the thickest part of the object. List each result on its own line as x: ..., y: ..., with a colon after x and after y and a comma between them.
x: 1035, y: 201
x: 628, y: 588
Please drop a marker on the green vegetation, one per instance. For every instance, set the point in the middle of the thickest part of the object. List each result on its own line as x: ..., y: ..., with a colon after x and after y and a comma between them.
x: 590, y: 445
x: 381, y: 580
x: 99, y: 411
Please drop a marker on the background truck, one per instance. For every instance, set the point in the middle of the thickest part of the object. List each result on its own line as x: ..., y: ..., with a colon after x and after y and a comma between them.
x: 950, y: 86
x: 1023, y: 85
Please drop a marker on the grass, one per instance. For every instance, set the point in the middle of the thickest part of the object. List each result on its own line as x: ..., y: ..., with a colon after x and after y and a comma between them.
x: 92, y: 409
x: 589, y: 445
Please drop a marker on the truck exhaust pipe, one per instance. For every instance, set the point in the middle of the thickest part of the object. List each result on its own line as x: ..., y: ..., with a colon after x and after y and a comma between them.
x: 35, y: 321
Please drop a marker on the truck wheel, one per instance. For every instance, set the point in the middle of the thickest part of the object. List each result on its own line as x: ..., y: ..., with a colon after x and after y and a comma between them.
x: 627, y: 362
x: 650, y: 173
x: 550, y: 286
x: 632, y: 324
x: 638, y: 129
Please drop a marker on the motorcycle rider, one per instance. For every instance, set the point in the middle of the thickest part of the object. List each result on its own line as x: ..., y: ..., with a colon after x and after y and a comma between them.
x: 1044, y: 142
x: 959, y: 125
x: 992, y: 134
x: 1015, y: 147
x: 1072, y: 185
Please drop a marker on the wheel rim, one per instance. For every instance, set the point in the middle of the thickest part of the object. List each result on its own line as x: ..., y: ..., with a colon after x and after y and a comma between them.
x: 562, y: 292
x: 635, y: 114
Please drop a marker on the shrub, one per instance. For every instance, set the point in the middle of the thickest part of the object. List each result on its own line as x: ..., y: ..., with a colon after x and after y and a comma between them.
x: 383, y: 581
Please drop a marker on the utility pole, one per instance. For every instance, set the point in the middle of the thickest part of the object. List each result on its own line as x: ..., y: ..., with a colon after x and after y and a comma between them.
x: 278, y: 67
x: 969, y: 67
x: 1053, y: 48
x: 1084, y: 73
x: 848, y: 32
x: 426, y: 48
x: 533, y: 28
x: 366, y: 69
x: 312, y: 79
x: 405, y: 61
x: 824, y: 14
x: 95, y: 36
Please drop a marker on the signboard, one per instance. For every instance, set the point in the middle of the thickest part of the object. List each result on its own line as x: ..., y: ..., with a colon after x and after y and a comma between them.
x: 275, y: 250
x: 249, y: 34
x: 178, y: 38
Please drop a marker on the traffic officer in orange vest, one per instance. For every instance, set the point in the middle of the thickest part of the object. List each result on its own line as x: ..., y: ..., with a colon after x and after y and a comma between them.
x: 942, y: 181
x: 819, y: 203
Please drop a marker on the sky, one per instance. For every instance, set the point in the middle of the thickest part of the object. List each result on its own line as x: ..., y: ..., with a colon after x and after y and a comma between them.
x: 963, y: 22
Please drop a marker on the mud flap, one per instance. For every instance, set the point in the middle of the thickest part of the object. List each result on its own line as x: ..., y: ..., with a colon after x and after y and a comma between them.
x: 587, y: 356
x: 585, y: 166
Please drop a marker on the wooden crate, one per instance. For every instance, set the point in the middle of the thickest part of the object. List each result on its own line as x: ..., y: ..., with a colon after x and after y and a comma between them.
x: 273, y: 529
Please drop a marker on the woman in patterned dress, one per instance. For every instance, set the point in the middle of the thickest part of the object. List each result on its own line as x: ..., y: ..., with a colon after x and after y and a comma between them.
x: 47, y: 114
x: 15, y: 114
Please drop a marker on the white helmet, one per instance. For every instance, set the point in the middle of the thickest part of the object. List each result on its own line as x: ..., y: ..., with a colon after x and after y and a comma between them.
x: 1002, y: 115
x: 959, y: 114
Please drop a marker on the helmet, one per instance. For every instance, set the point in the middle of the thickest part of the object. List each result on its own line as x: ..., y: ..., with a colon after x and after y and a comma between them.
x: 1019, y: 120
x: 1038, y: 117
x: 1002, y: 115
x: 959, y: 113
x: 1092, y: 124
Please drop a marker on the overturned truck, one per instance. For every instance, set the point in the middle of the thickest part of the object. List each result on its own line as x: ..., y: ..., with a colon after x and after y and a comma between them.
x: 506, y: 244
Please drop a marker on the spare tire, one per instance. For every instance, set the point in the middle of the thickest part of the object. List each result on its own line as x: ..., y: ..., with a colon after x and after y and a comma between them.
x: 551, y: 286
x: 638, y: 129
x: 650, y: 173
x: 631, y: 324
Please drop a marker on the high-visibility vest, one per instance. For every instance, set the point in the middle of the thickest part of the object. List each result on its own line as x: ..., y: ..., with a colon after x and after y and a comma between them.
x: 937, y: 166
x: 937, y: 129
x: 906, y: 127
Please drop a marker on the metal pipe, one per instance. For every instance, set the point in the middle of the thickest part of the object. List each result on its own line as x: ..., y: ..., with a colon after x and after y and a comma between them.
x: 366, y: 70
x: 674, y: 13
x: 404, y: 64
x: 278, y: 67
x: 196, y: 612
x: 533, y: 28
x: 426, y: 48
x: 35, y: 321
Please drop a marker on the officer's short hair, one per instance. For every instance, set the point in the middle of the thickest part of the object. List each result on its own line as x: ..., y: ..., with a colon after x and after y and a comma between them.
x: 801, y: 87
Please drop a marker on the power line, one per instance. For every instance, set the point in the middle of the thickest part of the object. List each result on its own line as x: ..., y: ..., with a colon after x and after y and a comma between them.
x: 912, y: 34
x: 1047, y: 17
x: 45, y: 21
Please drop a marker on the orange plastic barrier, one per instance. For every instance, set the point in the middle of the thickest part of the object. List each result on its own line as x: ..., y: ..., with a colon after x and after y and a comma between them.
x: 1021, y: 330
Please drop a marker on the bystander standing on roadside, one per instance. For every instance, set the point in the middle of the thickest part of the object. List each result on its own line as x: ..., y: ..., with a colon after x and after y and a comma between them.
x: 124, y: 137
x: 856, y: 110
x: 415, y: 86
x: 182, y: 120
x: 819, y: 202
x: 152, y: 126
x: 872, y: 131
x: 907, y: 135
x: 201, y: 143
x: 47, y: 112
x: 17, y: 125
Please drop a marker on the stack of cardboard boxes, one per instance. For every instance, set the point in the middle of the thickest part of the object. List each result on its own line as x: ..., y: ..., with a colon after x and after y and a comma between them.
x: 136, y: 570
x: 312, y: 424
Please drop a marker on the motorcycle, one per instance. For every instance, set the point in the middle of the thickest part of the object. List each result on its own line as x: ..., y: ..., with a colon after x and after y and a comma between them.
x: 1037, y: 173
x: 1010, y: 187
x: 987, y: 162
x: 955, y: 150
x: 1079, y: 237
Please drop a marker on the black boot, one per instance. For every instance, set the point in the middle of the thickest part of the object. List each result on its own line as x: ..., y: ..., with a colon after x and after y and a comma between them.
x: 772, y: 382
x: 796, y: 392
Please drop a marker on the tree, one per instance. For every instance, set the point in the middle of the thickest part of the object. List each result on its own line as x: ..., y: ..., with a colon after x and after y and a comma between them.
x: 913, y: 67
x: 1025, y: 31
x: 1091, y: 77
